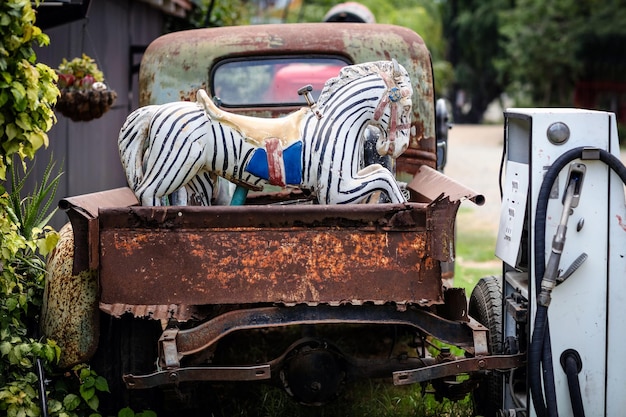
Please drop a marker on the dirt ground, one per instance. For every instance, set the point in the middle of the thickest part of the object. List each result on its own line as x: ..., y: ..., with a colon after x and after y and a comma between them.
x: 474, y: 154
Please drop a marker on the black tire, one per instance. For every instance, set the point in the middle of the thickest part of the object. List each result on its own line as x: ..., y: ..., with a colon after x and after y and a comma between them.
x: 127, y: 345
x: 485, y: 305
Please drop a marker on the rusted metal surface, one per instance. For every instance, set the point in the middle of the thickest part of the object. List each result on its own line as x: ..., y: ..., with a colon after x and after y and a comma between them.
x: 70, y: 311
x: 460, y: 366
x: 429, y: 184
x: 200, y: 337
x: 176, y: 345
x: 190, y: 374
x: 82, y: 211
x: 280, y: 254
x: 157, y: 312
x: 455, y: 305
x: 176, y: 65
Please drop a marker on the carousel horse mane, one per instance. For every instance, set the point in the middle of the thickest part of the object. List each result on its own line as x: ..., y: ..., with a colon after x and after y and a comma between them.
x: 353, y: 72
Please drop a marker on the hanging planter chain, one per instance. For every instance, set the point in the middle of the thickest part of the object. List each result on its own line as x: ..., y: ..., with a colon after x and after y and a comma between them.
x: 84, y: 96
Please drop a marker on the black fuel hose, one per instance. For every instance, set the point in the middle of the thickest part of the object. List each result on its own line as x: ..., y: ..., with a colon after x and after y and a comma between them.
x: 572, y: 365
x: 540, y: 352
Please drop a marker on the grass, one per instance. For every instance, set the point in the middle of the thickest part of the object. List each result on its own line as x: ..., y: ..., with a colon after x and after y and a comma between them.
x: 475, y: 247
x: 363, y: 398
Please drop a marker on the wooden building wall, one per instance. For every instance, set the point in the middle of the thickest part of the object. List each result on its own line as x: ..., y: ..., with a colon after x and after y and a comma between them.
x: 87, y: 151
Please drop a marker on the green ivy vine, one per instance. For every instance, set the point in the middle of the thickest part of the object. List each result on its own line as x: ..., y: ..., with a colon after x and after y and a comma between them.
x: 28, y: 92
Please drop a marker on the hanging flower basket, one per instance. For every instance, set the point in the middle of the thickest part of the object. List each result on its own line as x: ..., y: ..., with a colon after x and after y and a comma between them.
x: 84, y: 96
x: 85, y: 105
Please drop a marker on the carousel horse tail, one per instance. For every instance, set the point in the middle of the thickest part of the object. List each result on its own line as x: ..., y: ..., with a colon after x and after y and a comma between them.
x: 132, y: 142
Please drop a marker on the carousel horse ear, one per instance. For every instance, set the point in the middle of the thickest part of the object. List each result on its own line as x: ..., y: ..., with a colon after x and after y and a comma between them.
x: 396, y: 67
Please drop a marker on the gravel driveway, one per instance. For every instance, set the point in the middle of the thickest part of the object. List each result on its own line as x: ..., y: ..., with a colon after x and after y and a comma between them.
x: 474, y: 154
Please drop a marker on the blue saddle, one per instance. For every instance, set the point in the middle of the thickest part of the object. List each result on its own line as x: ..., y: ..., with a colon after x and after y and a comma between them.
x: 292, y: 161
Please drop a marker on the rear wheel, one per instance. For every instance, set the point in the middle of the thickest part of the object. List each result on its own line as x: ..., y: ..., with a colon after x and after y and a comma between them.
x: 485, y: 305
x: 127, y: 345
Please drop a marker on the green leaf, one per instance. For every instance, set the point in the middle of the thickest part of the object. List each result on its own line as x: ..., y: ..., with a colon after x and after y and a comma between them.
x: 88, y: 382
x: 93, y: 403
x: 11, y: 304
x: 50, y: 353
x: 54, y: 406
x: 101, y: 384
x: 71, y: 402
x: 85, y: 372
x: 11, y: 131
x: 87, y: 392
x: 5, y: 348
x: 26, y: 363
x: 126, y: 412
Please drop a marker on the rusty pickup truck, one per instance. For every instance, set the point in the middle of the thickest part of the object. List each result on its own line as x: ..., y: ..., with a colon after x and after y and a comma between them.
x: 158, y: 298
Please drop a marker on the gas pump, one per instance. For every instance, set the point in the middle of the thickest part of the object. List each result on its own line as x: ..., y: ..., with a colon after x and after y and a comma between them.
x: 562, y: 241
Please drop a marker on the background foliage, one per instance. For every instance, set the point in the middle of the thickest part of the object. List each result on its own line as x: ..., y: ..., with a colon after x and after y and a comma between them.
x: 533, y: 52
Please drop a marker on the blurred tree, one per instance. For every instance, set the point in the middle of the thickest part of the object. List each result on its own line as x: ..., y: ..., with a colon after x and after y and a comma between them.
x: 542, y: 43
x: 472, y: 30
x: 536, y: 51
x: 213, y: 13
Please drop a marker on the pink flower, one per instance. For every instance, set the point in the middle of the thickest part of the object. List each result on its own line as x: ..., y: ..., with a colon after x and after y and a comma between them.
x: 65, y: 80
x: 87, y: 82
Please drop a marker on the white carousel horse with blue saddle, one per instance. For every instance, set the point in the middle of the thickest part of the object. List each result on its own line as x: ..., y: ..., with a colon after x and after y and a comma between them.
x: 187, y: 145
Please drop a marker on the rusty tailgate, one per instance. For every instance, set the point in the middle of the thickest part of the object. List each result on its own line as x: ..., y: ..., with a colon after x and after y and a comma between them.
x: 163, y: 256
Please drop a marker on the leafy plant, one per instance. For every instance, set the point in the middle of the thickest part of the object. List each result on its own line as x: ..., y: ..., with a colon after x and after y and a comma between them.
x: 34, y: 212
x: 87, y: 383
x: 27, y: 93
x: 21, y: 293
x: 28, y: 89
x: 128, y: 412
x: 24, y: 240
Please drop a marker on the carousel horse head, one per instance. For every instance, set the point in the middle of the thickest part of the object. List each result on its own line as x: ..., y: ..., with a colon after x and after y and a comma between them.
x: 392, y: 114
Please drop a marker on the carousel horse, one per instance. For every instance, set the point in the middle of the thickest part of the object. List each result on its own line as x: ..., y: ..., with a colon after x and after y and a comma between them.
x: 188, y: 145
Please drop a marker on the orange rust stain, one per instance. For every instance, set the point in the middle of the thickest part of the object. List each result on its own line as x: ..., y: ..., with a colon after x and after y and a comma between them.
x: 127, y: 246
x: 413, y: 245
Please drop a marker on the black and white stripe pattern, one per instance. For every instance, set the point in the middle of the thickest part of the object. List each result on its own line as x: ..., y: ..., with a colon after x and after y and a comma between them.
x: 177, y: 147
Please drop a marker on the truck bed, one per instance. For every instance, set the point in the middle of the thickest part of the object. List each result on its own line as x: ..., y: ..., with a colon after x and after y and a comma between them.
x: 159, y: 261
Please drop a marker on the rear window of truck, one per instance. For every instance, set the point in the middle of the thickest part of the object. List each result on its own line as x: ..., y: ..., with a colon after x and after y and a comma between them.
x: 271, y: 81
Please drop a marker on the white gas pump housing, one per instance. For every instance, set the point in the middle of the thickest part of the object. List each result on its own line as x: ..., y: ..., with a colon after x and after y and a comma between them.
x: 586, y: 311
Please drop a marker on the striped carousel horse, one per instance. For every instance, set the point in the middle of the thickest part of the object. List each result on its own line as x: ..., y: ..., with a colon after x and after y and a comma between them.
x: 188, y: 145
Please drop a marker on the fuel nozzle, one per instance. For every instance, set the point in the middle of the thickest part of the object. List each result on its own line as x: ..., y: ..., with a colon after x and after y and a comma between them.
x: 570, y: 200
